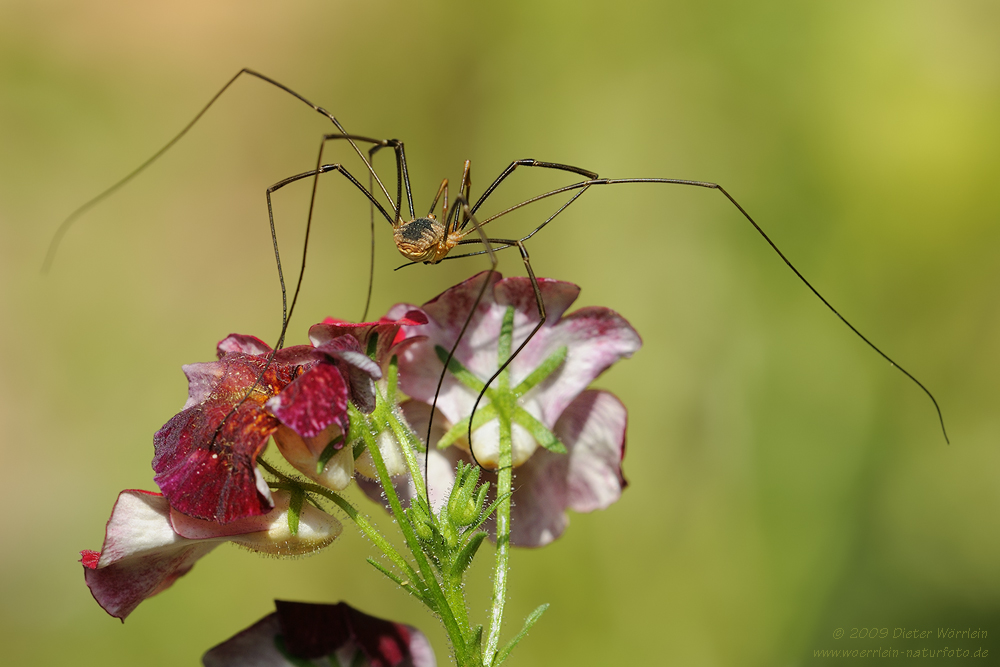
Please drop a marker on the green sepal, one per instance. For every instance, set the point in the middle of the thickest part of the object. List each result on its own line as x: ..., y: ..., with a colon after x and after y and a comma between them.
x: 464, y: 558
x: 490, y: 510
x: 483, y: 416
x: 554, y: 361
x: 295, y: 510
x: 420, y: 520
x: 539, y: 432
x: 505, y: 341
x: 463, y: 508
x: 328, y: 453
x: 461, y: 373
x: 528, y: 622
x: 372, y: 345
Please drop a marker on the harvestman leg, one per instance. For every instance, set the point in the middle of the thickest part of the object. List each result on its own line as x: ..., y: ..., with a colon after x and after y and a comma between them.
x: 274, y: 239
x: 462, y: 204
x: 584, y: 185
x: 270, y: 214
x: 86, y: 206
x: 402, y: 177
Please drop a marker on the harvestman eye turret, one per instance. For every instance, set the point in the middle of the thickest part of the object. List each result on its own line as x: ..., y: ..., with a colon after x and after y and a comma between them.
x: 431, y: 239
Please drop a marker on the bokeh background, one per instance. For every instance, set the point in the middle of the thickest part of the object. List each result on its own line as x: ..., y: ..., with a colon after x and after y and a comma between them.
x: 785, y: 480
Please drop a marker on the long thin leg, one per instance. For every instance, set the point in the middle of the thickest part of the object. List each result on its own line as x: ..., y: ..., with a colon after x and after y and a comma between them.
x: 464, y: 186
x: 400, y: 174
x: 286, y: 313
x: 590, y: 175
x: 584, y: 185
x: 541, y: 320
x: 86, y: 206
x: 282, y: 183
x: 378, y: 145
x: 462, y: 203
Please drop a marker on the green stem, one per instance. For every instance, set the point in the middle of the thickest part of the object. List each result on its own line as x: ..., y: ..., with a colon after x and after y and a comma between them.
x: 369, y: 530
x: 407, y: 444
x: 504, y: 483
x: 442, y: 604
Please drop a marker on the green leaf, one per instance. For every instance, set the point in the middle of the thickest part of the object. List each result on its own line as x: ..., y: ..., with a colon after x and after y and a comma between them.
x: 538, y: 431
x: 468, y: 552
x: 407, y: 586
x: 461, y: 373
x: 528, y: 622
x: 546, y: 369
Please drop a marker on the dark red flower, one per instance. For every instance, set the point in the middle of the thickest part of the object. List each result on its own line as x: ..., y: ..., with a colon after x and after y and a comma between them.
x: 205, y: 456
x: 300, y: 631
x: 356, y: 353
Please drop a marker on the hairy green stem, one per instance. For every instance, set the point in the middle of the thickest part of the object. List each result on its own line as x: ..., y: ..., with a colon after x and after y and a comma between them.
x: 459, y: 639
x: 504, y: 483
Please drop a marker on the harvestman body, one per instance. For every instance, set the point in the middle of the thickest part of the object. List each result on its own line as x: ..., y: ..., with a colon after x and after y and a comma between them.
x: 430, y: 239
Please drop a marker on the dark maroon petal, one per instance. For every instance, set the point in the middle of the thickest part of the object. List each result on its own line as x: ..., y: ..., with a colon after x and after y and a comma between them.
x: 241, y: 343
x: 253, y: 647
x: 386, y: 329
x: 315, y: 400
x: 296, y: 355
x: 308, y: 631
x: 348, y: 350
x: 358, y: 369
x: 316, y: 630
x: 205, y: 456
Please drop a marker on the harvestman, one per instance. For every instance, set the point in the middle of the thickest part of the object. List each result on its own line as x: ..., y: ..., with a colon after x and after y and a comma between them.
x: 429, y: 239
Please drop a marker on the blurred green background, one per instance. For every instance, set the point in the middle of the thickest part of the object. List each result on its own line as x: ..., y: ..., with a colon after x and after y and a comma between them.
x: 785, y: 481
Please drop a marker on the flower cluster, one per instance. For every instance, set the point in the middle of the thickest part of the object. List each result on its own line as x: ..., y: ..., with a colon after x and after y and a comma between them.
x: 355, y: 404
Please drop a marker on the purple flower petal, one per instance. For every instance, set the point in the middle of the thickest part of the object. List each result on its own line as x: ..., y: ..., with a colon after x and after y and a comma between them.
x: 594, y: 337
x: 318, y: 630
x: 360, y: 371
x: 141, y: 556
x: 148, y: 546
x: 589, y: 477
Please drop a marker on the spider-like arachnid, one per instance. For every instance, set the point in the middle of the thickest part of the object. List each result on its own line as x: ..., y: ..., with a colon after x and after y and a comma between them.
x: 431, y: 238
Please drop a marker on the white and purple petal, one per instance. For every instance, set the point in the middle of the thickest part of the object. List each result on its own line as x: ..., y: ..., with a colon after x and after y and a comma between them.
x: 594, y: 338
x: 148, y: 545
